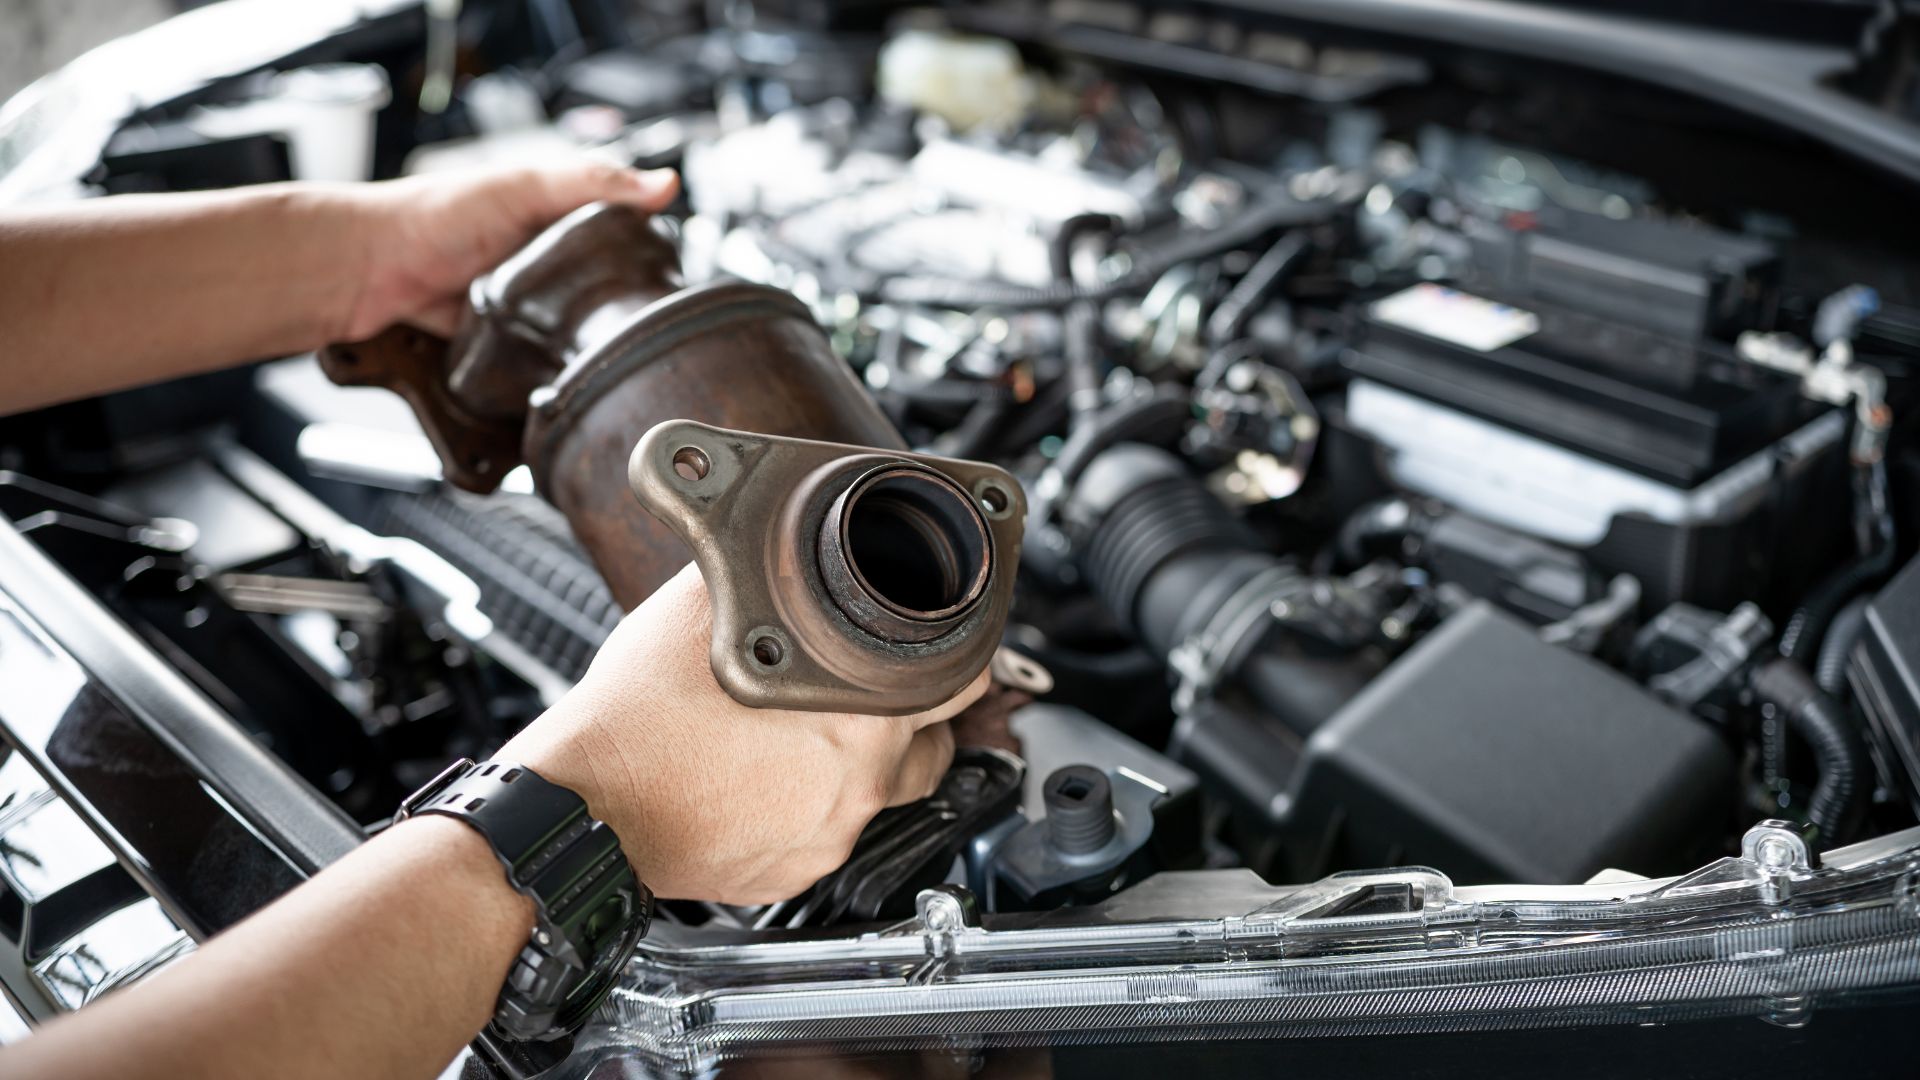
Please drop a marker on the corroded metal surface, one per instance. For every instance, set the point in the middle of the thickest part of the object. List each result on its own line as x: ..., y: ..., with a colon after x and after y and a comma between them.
x: 845, y: 572
x: 905, y: 554
x: 475, y: 449
x: 911, y: 613
x: 574, y: 347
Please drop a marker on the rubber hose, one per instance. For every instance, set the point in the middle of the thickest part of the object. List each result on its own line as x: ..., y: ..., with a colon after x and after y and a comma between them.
x: 1060, y: 249
x: 1142, y: 419
x: 1256, y: 286
x: 1830, y: 670
x: 1841, y: 792
x: 1809, y: 624
x: 1168, y: 559
x: 1136, y: 420
x: 1247, y: 228
x: 1154, y: 523
x: 1081, y: 327
x: 1374, y: 526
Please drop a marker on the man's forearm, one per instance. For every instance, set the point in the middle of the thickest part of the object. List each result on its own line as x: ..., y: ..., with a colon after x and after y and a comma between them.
x: 111, y: 293
x: 384, y: 965
x: 388, y: 961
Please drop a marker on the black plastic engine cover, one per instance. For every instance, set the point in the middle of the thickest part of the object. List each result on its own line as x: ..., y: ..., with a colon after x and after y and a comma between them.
x: 1489, y: 755
x: 1885, y: 674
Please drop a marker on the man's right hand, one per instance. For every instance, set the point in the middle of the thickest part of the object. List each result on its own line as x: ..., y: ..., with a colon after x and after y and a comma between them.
x: 714, y: 800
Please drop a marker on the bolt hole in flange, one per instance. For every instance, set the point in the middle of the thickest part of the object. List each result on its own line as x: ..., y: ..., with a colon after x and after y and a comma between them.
x: 905, y: 553
x: 690, y: 463
x: 768, y: 651
x: 993, y: 499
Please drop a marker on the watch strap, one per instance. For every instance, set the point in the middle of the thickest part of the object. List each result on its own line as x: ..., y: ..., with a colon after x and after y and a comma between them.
x: 591, y: 910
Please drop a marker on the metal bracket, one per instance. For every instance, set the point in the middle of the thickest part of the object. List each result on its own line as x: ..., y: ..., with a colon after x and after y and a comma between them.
x: 475, y: 451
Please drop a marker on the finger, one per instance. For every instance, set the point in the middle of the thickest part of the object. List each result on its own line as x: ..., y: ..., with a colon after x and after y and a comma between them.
x: 651, y: 189
x: 565, y: 188
x: 925, y: 762
x: 954, y: 705
x: 441, y: 319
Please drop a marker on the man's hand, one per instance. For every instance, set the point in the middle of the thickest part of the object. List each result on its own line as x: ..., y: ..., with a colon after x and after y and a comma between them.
x: 714, y: 800
x: 398, y: 950
x: 423, y: 239
x: 109, y: 293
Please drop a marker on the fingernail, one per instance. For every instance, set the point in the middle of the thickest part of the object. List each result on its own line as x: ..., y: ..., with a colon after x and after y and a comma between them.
x: 655, y: 181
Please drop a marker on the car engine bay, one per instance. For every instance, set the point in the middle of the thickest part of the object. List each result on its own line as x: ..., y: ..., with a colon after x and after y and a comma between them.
x: 1418, y: 471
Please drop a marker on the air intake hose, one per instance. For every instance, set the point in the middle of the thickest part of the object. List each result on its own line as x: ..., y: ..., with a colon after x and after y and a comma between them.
x: 1196, y: 586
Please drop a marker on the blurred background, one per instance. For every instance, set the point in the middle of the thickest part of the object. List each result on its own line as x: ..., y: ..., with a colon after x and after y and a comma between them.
x: 43, y: 34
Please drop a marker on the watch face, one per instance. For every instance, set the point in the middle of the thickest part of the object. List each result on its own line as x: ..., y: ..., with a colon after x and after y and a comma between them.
x: 607, y: 921
x: 625, y: 918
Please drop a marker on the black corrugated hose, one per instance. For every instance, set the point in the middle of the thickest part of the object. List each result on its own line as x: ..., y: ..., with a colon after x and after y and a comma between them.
x: 1840, y: 794
x: 1241, y: 231
x: 1809, y: 624
x: 1142, y: 419
x: 1830, y: 671
x: 1148, y: 418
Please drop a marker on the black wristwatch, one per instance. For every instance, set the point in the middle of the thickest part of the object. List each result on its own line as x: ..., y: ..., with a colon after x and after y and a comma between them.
x: 592, y: 909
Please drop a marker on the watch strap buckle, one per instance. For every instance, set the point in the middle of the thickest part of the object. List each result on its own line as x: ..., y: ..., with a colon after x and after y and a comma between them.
x: 450, y: 775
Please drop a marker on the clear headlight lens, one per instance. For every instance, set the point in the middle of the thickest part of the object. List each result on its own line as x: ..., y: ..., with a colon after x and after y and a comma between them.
x: 1770, y: 933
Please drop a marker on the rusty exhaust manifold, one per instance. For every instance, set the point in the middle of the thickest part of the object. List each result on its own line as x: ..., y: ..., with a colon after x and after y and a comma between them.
x: 845, y: 572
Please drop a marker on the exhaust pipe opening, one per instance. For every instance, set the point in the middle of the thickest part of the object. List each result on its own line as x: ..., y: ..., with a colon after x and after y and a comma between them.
x: 905, y: 553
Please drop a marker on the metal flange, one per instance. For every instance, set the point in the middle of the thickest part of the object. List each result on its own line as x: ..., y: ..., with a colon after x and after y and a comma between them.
x: 843, y: 578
